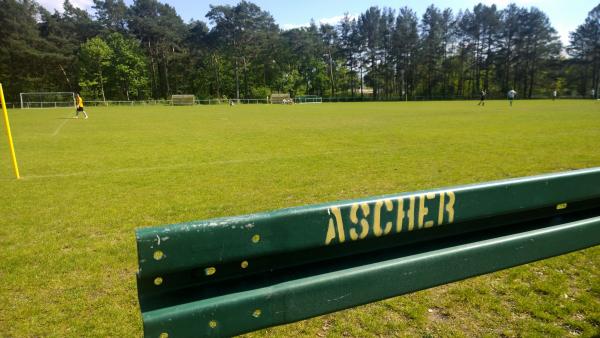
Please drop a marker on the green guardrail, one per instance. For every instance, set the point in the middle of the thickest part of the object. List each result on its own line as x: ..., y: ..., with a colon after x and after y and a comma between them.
x: 228, y: 276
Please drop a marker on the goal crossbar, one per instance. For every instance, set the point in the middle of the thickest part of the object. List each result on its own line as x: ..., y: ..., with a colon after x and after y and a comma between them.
x: 183, y: 100
x: 309, y: 99
x: 54, y: 102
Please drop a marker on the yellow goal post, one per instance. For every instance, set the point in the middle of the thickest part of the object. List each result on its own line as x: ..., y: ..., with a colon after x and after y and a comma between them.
x: 11, y: 145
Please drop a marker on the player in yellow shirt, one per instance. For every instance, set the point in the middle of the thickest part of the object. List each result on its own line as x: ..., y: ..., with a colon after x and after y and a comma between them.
x: 79, y: 105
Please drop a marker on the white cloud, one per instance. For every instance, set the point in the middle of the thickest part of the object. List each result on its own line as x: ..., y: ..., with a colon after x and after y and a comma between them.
x: 563, y: 32
x: 334, y: 20
x: 51, y: 5
x: 288, y: 26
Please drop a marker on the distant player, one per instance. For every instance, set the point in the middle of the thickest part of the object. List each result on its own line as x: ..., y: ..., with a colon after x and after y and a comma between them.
x: 593, y: 92
x: 554, y: 95
x: 511, y: 96
x: 79, y: 105
x: 482, y: 99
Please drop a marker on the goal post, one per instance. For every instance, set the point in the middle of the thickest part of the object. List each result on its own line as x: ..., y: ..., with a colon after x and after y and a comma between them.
x: 309, y: 99
x: 47, y: 100
x: 11, y: 145
x: 281, y: 98
x: 182, y: 100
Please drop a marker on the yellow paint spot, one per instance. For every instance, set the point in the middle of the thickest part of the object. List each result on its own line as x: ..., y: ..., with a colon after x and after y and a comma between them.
x: 256, y: 313
x: 210, y: 271
x: 212, y: 324
x: 158, y: 281
x: 244, y: 264
x: 561, y: 206
x: 158, y: 255
x: 164, y: 335
x: 256, y: 238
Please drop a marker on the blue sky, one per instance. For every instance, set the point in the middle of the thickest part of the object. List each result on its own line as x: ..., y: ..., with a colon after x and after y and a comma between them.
x: 565, y: 15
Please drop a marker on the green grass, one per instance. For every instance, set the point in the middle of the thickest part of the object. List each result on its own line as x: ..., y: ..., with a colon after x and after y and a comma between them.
x: 67, y: 228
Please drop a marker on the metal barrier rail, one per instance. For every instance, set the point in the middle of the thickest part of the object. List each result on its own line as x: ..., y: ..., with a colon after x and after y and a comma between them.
x: 227, y: 101
x: 492, y: 97
x: 128, y: 103
x: 45, y: 105
x: 95, y: 103
x: 228, y: 276
x: 92, y: 103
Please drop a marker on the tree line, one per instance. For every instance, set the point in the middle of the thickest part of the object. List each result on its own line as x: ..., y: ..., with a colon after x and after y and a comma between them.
x: 146, y: 51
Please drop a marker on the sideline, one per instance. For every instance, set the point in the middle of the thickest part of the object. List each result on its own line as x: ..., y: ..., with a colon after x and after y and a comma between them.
x: 60, y: 126
x: 188, y: 166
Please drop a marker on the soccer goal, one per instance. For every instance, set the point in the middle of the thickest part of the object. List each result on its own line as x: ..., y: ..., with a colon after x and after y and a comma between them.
x: 182, y: 100
x: 47, y: 100
x: 309, y: 99
x: 281, y: 99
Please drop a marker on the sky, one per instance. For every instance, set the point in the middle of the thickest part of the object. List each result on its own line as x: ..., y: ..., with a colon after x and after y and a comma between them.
x: 565, y: 15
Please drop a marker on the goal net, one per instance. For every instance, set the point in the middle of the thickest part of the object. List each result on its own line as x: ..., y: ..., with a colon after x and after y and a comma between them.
x: 182, y: 100
x: 281, y: 98
x: 309, y: 99
x: 47, y: 100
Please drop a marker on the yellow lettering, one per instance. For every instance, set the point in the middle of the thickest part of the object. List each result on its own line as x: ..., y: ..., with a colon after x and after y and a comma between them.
x: 389, y: 206
x: 354, y: 220
x: 377, y: 218
x: 411, y: 214
x: 336, y: 230
x: 400, y: 215
x: 363, y: 222
x: 441, y: 210
x: 450, y: 206
x: 331, y: 228
x: 423, y: 211
x: 330, y: 232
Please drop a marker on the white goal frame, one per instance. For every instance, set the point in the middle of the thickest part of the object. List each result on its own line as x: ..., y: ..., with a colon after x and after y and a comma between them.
x: 183, y: 100
x: 309, y: 99
x: 48, y: 104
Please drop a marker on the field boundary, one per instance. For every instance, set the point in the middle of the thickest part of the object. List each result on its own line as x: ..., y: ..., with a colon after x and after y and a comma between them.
x: 188, y: 166
x: 356, y: 99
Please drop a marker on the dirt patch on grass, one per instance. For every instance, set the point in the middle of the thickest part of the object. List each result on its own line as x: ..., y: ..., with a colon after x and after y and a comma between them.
x: 436, y: 314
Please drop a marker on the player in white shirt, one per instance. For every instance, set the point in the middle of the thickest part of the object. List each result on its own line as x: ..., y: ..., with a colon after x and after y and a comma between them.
x: 482, y: 99
x: 511, y: 96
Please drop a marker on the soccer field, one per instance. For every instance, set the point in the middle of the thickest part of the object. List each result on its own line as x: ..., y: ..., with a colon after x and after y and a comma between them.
x: 67, y: 228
